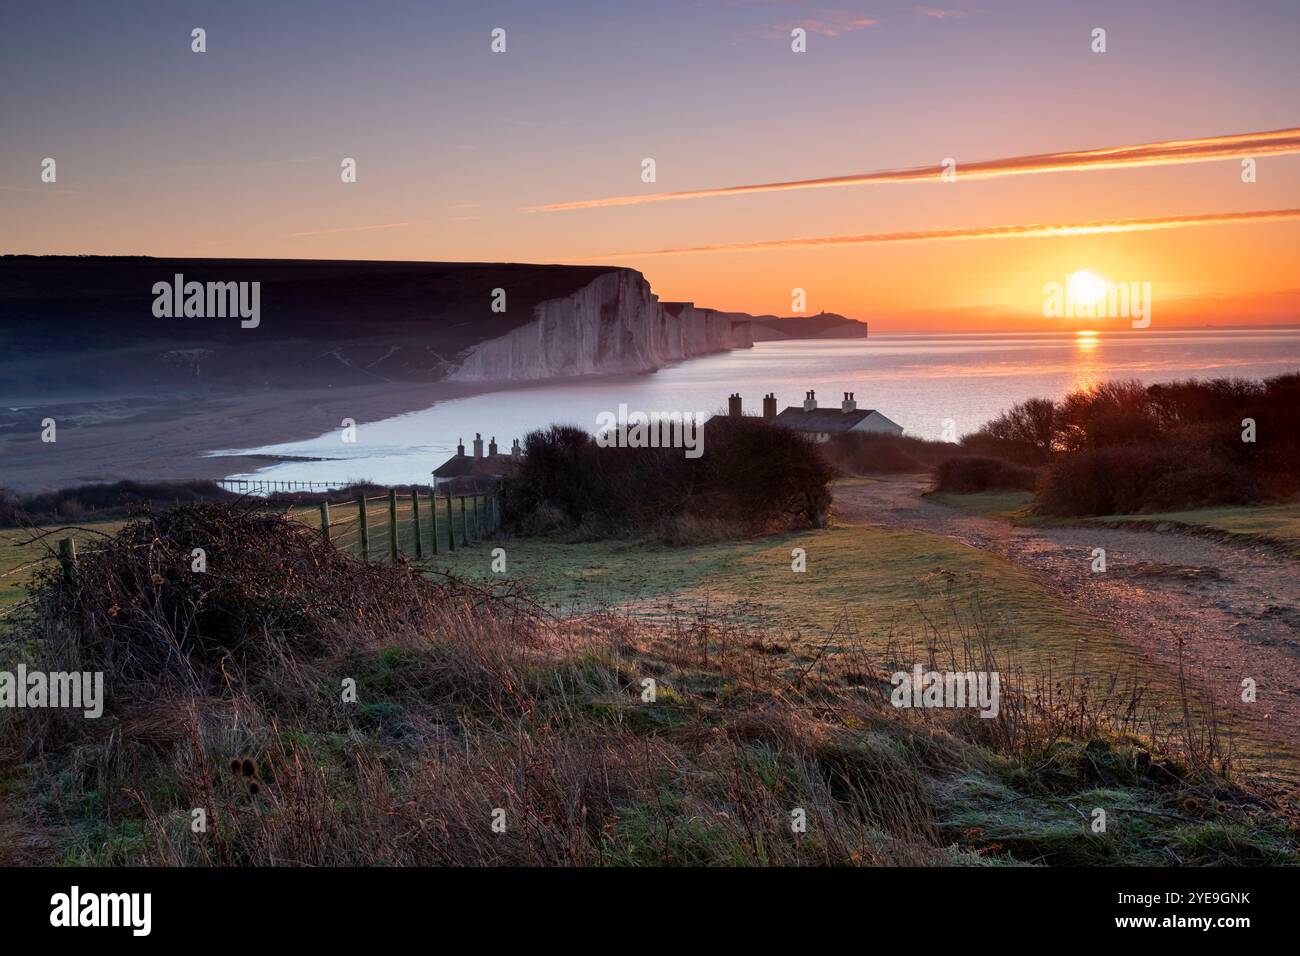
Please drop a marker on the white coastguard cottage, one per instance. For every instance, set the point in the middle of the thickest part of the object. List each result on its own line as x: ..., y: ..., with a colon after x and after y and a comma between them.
x: 820, y: 424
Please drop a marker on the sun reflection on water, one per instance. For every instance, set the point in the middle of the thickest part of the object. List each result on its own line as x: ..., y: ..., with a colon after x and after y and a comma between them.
x: 1086, y: 366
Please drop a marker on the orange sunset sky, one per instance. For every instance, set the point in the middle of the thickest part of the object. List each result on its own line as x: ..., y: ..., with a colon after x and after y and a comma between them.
x: 462, y: 153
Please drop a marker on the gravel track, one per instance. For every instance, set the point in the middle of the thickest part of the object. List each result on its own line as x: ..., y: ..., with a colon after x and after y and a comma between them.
x: 1233, y: 607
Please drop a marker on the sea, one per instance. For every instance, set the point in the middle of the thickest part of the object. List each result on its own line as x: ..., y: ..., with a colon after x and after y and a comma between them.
x: 934, y: 385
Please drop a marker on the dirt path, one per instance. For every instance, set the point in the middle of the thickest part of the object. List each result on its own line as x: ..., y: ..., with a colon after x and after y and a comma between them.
x: 1234, y: 607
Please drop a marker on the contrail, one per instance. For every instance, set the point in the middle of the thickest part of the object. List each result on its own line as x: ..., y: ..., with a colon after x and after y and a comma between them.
x: 1113, y: 157
x: 1032, y: 231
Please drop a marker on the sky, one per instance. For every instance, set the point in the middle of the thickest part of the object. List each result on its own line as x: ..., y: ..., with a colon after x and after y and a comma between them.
x: 462, y: 153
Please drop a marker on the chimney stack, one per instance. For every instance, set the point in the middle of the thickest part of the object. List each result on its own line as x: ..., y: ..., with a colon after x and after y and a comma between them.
x: 733, y: 405
x: 492, y: 447
x: 810, y: 402
x: 478, y: 445
x: 769, y: 405
x: 849, y: 404
x: 515, y: 450
x: 460, y: 448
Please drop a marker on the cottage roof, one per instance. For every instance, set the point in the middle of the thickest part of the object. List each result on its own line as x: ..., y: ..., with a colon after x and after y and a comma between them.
x: 460, y: 466
x: 822, y: 419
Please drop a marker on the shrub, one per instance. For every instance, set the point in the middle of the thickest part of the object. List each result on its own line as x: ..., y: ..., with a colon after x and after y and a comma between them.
x: 71, y: 508
x: 874, y: 453
x: 11, y: 510
x: 272, y: 589
x: 1111, y: 413
x: 751, y: 475
x: 1133, y: 479
x: 1023, y: 433
x: 970, y: 475
x: 559, y: 471
x: 120, y: 498
x: 857, y: 453
x: 75, y: 502
x: 757, y: 473
x: 1199, y: 482
x: 1121, y: 447
x: 983, y: 445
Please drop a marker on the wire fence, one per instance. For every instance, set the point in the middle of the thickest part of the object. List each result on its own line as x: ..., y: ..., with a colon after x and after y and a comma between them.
x: 259, y: 486
x: 417, y: 525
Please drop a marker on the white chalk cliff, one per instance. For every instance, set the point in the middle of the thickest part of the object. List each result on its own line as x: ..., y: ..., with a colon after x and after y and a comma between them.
x: 613, y: 324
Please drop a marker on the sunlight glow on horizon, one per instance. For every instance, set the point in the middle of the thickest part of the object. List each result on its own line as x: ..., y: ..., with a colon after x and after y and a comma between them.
x: 1086, y: 288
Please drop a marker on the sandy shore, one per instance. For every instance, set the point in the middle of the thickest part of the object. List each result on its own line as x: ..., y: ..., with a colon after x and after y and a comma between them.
x: 165, y: 439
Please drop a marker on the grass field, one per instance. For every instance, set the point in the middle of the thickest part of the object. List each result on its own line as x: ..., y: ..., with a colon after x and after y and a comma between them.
x: 18, y: 557
x: 887, y: 595
x: 861, y: 587
x: 1009, y: 505
x: 1277, y: 524
x: 867, y: 589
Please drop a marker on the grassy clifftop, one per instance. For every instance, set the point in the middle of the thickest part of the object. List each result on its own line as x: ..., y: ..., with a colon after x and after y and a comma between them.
x: 483, y: 704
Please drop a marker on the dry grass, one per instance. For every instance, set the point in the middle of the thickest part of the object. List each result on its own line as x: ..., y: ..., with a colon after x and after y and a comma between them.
x: 476, y: 708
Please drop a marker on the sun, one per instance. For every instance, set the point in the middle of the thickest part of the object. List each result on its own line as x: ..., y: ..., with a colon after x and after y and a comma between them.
x: 1085, y: 288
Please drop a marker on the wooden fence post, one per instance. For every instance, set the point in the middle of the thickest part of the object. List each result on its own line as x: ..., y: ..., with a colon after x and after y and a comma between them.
x: 365, y: 528
x: 415, y: 521
x: 325, y: 520
x: 478, y: 523
x: 68, y: 558
x: 464, y: 524
x: 451, y: 522
x: 392, y: 524
x: 433, y: 516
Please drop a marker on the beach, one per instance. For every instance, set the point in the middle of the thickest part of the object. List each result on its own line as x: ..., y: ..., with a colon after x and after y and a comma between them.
x: 169, y: 438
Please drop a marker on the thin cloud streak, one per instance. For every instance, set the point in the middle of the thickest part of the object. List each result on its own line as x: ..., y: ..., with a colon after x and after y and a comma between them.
x: 1031, y: 231
x: 934, y: 13
x: 1171, y: 152
x: 830, y: 24
x: 349, y: 229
